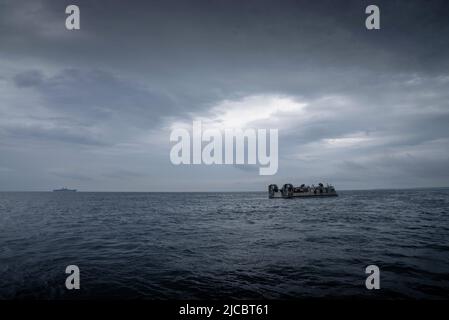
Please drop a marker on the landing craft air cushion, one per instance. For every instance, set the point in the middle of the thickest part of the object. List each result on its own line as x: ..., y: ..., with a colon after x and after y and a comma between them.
x: 303, y: 191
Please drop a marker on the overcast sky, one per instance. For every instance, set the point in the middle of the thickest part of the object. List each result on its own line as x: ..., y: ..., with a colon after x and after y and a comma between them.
x: 92, y: 109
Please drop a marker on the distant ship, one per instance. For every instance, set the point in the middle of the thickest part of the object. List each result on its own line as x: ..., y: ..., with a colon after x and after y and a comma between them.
x: 64, y: 190
x: 303, y: 191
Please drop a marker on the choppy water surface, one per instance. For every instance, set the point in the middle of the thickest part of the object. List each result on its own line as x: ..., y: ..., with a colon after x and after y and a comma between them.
x: 224, y: 245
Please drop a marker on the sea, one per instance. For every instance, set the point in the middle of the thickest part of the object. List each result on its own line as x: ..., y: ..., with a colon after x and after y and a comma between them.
x: 224, y: 245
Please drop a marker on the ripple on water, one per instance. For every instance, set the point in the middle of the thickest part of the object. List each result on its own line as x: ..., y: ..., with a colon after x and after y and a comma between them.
x: 234, y: 245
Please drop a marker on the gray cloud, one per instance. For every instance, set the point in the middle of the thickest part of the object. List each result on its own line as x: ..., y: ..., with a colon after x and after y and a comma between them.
x: 105, y: 94
x: 29, y: 78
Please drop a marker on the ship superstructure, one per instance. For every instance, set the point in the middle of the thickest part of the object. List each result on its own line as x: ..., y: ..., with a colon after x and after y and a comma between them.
x: 289, y: 191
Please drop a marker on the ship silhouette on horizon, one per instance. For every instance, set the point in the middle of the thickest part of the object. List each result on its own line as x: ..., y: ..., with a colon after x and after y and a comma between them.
x: 64, y: 190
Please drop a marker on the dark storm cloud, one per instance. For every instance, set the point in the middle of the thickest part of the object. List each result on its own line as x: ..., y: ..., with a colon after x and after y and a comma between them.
x: 94, y: 92
x: 29, y: 78
x: 99, y: 95
x: 90, y: 99
x: 136, y: 66
x: 237, y: 34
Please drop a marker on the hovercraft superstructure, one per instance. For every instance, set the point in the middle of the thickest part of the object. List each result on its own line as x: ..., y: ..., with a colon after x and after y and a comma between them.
x: 303, y: 191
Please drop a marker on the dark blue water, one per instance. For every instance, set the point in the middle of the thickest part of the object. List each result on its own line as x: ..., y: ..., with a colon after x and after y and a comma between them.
x: 224, y: 245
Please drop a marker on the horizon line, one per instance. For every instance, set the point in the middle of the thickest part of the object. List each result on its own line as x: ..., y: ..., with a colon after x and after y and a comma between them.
x: 235, y: 191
